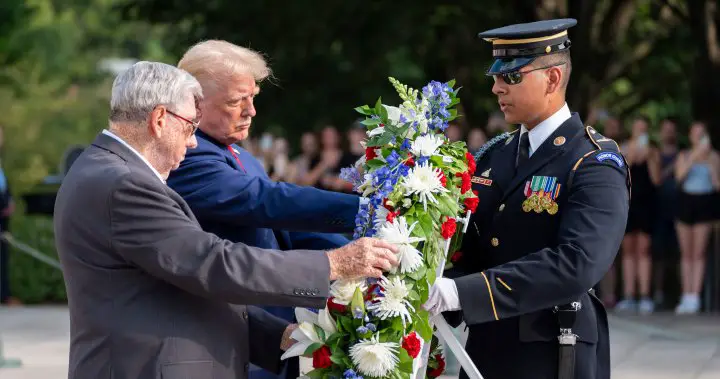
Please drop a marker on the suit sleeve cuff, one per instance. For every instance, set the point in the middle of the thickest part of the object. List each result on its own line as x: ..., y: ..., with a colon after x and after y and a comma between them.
x: 476, y: 298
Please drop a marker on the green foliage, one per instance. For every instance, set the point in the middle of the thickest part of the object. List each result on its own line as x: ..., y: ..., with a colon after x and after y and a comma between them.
x: 33, y: 281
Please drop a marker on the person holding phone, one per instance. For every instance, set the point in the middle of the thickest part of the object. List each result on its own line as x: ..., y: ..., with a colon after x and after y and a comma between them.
x: 644, y: 162
x: 697, y: 174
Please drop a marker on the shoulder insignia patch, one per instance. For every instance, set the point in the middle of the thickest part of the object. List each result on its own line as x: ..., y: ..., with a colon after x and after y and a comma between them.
x: 609, y: 155
x: 489, y: 144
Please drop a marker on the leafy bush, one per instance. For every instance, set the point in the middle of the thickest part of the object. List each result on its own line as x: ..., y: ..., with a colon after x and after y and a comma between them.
x: 31, y: 280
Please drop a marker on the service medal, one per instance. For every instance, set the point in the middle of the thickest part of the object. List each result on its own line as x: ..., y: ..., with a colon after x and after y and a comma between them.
x: 553, y: 208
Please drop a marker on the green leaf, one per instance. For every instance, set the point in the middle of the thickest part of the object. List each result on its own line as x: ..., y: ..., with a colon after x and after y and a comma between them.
x: 311, y: 349
x: 451, y: 83
x: 418, y: 274
x: 378, y: 106
x: 347, y: 324
x: 317, y: 373
x: 371, y: 121
x: 365, y: 110
x: 422, y: 325
x: 413, y: 296
x: 380, y: 140
x: 320, y: 332
x: 375, y: 163
x: 406, y: 362
x: 337, y: 357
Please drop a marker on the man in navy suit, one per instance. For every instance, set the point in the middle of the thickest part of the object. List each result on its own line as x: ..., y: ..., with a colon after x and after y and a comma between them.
x: 228, y: 189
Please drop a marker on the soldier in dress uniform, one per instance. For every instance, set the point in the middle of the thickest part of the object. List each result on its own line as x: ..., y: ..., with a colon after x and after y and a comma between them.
x: 554, y: 197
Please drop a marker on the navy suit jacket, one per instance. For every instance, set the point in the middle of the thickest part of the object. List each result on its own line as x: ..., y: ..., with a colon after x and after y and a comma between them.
x: 238, y: 201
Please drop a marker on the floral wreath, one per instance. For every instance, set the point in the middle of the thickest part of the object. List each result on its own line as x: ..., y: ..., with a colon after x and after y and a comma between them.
x: 418, y: 186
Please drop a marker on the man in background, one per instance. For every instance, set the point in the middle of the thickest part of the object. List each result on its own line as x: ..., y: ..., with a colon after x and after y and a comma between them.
x: 228, y: 189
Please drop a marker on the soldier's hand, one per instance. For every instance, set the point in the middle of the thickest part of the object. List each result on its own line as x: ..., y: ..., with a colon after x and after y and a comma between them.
x: 366, y: 257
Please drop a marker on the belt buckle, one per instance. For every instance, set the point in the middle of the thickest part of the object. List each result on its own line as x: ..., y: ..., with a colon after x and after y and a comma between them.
x: 567, y: 337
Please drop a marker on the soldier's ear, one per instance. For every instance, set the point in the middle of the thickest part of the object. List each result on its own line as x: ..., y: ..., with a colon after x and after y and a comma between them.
x: 554, y: 77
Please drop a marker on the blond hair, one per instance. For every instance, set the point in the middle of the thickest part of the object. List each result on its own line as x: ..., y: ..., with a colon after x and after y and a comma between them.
x: 214, y: 61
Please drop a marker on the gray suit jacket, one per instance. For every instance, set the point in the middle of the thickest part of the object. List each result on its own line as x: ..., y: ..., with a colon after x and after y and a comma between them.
x: 153, y: 296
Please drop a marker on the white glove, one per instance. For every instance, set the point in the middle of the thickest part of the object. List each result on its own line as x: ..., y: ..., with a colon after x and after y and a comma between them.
x: 443, y: 297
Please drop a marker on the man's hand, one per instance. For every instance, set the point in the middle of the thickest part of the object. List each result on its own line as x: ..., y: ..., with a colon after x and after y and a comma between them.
x: 287, y: 342
x: 366, y: 257
x: 443, y: 297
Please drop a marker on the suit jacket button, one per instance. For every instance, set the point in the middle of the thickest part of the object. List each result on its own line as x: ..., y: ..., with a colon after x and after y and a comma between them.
x: 495, y: 242
x: 296, y: 291
x: 245, y: 315
x: 502, y: 207
x: 302, y: 292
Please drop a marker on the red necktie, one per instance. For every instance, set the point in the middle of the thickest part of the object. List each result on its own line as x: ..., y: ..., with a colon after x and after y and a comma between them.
x: 236, y: 158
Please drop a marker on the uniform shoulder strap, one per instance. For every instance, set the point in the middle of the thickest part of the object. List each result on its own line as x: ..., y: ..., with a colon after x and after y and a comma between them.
x: 495, y: 141
x: 605, y: 149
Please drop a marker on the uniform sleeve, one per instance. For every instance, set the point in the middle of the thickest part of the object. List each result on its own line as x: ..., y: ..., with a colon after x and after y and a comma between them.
x: 215, y: 191
x: 150, y: 231
x: 591, y: 230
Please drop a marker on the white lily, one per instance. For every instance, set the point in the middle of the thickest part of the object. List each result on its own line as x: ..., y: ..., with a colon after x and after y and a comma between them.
x: 393, y: 114
x: 342, y: 291
x: 305, y: 334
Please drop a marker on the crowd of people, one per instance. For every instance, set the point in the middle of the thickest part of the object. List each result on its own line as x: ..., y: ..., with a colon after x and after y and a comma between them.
x: 673, y: 207
x: 322, y: 154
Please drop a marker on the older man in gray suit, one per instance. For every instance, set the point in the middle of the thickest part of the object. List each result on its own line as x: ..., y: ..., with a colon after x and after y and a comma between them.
x: 151, y: 295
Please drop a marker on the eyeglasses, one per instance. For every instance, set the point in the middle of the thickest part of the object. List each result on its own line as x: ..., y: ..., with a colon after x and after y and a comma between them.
x: 516, y: 77
x: 194, y: 124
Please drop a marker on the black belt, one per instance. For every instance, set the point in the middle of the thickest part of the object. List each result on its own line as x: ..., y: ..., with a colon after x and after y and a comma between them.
x: 566, y: 315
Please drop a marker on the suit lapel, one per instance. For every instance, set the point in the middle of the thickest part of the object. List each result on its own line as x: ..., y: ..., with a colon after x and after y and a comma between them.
x: 553, y: 146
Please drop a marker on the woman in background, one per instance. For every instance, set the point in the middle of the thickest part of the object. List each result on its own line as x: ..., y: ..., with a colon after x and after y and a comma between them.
x: 697, y: 173
x: 644, y: 162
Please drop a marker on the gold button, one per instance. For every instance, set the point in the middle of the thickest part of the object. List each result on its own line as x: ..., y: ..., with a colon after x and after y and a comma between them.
x: 495, y: 242
x: 502, y: 207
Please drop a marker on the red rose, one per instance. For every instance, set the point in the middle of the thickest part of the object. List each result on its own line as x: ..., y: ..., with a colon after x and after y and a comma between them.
x: 412, y: 344
x: 410, y: 161
x: 335, y: 307
x: 466, y: 184
x: 388, y: 207
x: 470, y: 162
x: 471, y: 203
x: 456, y: 257
x: 440, y: 369
x: 321, y: 358
x: 370, y: 153
x: 391, y: 216
x: 443, y: 179
x: 448, y: 228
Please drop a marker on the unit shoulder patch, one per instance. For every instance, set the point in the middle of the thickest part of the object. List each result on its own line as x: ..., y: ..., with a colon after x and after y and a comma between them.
x: 603, y: 156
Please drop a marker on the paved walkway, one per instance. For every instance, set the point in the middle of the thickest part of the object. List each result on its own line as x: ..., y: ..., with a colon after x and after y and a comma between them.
x: 661, y: 346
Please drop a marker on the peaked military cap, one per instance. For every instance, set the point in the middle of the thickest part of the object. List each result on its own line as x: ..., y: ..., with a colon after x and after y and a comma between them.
x: 516, y: 46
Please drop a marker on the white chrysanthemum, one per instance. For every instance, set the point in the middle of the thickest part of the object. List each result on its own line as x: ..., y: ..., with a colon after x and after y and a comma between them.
x: 343, y: 290
x: 305, y: 334
x: 394, y: 301
x: 424, y: 181
x: 380, y: 215
x: 427, y: 145
x: 398, y: 233
x: 375, y: 358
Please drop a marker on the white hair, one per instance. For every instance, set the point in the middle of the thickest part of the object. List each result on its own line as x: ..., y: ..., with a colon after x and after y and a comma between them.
x: 214, y: 61
x: 145, y: 85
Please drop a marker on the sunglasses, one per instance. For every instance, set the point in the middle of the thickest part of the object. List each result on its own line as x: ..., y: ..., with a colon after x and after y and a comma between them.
x: 516, y: 77
x: 194, y: 124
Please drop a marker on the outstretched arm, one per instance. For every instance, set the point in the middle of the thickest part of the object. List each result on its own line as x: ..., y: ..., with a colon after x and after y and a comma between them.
x: 214, y: 190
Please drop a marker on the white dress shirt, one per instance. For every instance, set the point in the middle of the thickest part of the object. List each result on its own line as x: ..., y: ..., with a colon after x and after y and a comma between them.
x: 115, y: 137
x: 543, y: 130
x: 444, y: 295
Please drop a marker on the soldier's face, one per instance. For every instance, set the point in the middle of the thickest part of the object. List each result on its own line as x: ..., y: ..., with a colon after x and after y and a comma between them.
x: 228, y: 109
x: 525, y: 102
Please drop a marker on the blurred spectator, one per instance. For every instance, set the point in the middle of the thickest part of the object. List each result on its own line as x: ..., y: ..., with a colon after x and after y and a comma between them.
x: 664, y: 239
x: 496, y: 124
x: 265, y: 150
x: 325, y: 166
x: 475, y: 140
x: 612, y: 128
x: 454, y: 132
x: 644, y: 162
x: 7, y: 207
x: 278, y: 168
x: 697, y: 174
x: 300, y: 167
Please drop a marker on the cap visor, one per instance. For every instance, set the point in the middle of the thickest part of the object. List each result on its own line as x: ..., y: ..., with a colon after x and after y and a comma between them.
x: 502, y: 66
